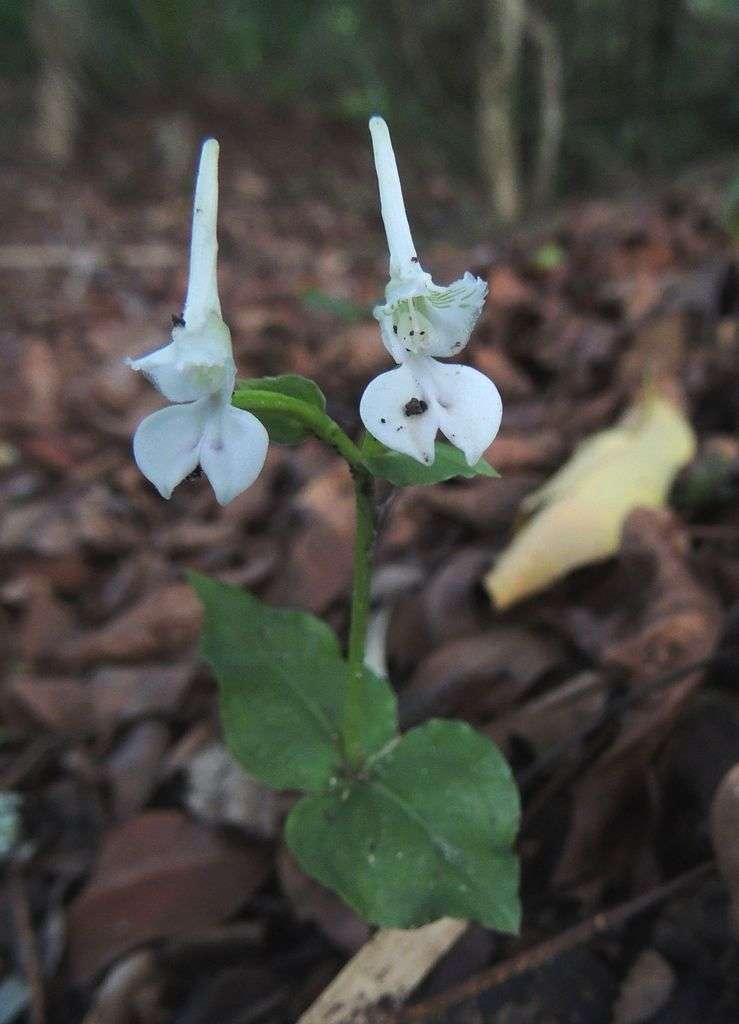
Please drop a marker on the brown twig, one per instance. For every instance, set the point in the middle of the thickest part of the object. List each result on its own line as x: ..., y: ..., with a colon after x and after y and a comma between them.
x: 27, y: 950
x: 550, y: 949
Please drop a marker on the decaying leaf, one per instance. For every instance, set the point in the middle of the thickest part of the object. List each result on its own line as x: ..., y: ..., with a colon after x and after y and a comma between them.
x: 577, y: 516
x: 159, y: 875
x: 672, y: 621
x: 724, y: 832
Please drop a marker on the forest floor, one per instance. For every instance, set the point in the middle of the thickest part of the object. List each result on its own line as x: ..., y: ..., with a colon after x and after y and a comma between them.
x: 148, y: 882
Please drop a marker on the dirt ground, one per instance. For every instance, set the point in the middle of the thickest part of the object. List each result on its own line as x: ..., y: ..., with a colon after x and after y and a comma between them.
x: 148, y: 882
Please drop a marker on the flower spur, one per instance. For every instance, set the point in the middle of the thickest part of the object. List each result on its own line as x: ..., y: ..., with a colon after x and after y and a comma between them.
x: 196, y: 371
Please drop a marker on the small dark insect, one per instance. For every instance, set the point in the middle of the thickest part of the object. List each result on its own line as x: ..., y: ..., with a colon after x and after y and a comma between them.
x: 195, y: 475
x: 178, y: 321
x: 382, y: 419
x: 415, y: 407
x: 414, y: 259
x: 395, y: 328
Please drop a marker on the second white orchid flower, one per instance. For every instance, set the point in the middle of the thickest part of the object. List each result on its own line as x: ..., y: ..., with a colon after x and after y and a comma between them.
x: 197, y: 372
x: 419, y: 322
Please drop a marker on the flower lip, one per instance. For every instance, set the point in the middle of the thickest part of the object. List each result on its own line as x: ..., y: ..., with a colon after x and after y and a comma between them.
x: 405, y: 407
x: 433, y: 321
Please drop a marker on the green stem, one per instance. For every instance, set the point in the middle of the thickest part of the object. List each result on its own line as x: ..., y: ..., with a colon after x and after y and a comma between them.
x: 328, y: 431
x: 315, y: 419
x: 364, y: 496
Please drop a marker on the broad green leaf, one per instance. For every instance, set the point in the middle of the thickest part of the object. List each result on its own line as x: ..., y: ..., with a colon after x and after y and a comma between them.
x: 281, y: 427
x: 577, y: 516
x: 403, y: 470
x: 282, y: 687
x: 426, y: 832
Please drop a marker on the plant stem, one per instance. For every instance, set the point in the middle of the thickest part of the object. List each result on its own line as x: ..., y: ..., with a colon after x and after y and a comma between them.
x: 328, y: 431
x: 315, y: 419
x: 364, y: 496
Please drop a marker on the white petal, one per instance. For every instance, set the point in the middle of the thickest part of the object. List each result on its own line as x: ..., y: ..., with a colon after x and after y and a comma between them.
x: 403, y: 259
x: 428, y: 320
x: 233, y: 450
x: 390, y: 339
x: 195, y: 364
x: 386, y: 413
x: 202, y: 287
x: 468, y: 404
x: 453, y: 312
x: 163, y: 370
x: 166, y: 445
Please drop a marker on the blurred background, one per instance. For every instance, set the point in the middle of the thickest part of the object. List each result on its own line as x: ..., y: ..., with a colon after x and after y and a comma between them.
x: 582, y: 157
x: 530, y: 101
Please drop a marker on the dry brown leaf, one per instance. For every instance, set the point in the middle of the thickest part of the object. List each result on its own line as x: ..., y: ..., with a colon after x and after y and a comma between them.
x: 492, y: 668
x: 58, y: 704
x: 725, y: 836
x: 319, y: 567
x: 673, y: 621
x: 163, y: 622
x: 120, y: 694
x: 133, y: 768
x: 158, y: 875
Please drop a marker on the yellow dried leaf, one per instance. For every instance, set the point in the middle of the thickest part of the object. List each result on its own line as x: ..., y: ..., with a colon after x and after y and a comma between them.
x: 577, y: 516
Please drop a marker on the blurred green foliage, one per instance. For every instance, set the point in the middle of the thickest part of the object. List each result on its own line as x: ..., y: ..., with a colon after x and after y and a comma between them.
x: 648, y: 85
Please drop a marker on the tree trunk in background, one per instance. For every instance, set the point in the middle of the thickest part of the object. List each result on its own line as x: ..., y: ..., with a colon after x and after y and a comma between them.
x: 499, y: 60
x: 551, y: 105
x: 58, y: 28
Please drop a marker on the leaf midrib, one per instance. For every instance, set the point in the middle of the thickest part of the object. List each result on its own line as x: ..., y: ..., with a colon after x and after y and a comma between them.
x: 315, y: 710
x: 413, y: 814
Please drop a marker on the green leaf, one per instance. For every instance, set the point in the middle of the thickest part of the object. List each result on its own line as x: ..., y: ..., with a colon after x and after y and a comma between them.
x: 403, y: 470
x: 321, y: 302
x: 281, y: 427
x: 282, y: 686
x: 549, y: 257
x: 426, y: 832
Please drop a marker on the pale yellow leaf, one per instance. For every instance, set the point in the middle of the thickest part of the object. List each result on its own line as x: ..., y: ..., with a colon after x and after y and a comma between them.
x: 577, y: 516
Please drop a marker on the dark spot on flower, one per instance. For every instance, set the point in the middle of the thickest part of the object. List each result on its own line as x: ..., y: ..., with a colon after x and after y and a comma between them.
x: 414, y: 259
x: 196, y: 473
x: 395, y: 328
x: 412, y: 333
x: 421, y: 332
x: 415, y: 407
x: 178, y: 321
x: 382, y: 419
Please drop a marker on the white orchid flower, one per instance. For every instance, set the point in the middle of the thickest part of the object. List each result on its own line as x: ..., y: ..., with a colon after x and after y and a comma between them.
x: 197, y: 371
x: 419, y: 321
